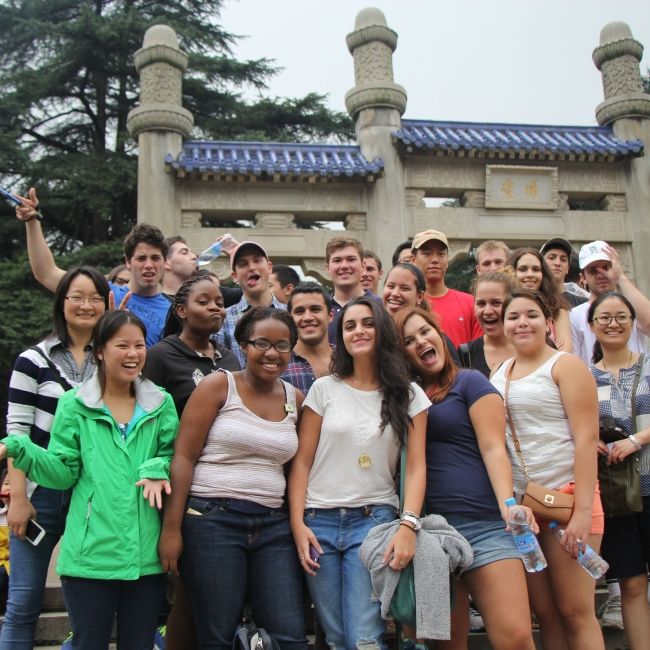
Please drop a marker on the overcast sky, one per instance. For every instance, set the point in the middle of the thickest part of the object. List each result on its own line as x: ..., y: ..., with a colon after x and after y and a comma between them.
x: 519, y: 61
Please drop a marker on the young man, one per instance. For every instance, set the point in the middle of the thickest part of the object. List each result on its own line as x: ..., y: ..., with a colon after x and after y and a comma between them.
x: 491, y: 255
x: 310, y: 306
x: 602, y: 271
x: 251, y: 269
x: 145, y: 250
x: 402, y: 252
x: 557, y: 253
x: 344, y: 263
x: 372, y: 272
x: 455, y: 308
x: 179, y: 265
x: 282, y: 282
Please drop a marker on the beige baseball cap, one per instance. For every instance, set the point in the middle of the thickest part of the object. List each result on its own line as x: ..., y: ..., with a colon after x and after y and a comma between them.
x: 428, y: 235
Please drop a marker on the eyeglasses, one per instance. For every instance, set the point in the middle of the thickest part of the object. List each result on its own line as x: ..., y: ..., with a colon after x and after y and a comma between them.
x: 606, y: 319
x: 80, y: 300
x: 263, y: 344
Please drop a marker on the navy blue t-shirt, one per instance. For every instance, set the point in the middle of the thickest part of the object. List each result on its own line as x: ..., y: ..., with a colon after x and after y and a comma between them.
x: 457, y: 480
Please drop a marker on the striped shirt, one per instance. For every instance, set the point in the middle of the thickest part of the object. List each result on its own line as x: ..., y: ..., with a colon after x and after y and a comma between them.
x: 35, y: 388
x: 244, y: 455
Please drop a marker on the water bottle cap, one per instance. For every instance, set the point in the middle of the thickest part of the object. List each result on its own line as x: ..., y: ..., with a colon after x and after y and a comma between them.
x: 511, y: 502
x: 553, y: 525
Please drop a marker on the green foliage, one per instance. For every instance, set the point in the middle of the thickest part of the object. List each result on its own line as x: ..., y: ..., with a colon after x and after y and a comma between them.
x: 461, y: 273
x: 67, y: 84
x: 27, y: 307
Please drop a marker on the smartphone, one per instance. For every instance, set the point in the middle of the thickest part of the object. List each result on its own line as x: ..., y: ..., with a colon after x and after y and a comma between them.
x: 10, y: 197
x: 313, y: 554
x: 34, y: 533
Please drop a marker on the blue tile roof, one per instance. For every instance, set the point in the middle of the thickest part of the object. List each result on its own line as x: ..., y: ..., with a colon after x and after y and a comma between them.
x: 270, y: 158
x: 582, y: 141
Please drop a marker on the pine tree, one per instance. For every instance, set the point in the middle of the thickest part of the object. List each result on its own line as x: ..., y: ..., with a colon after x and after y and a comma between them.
x: 67, y: 83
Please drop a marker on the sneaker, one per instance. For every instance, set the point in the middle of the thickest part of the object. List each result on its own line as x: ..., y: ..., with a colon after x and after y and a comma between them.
x: 159, y: 638
x: 67, y: 643
x: 610, y: 613
x: 476, y: 623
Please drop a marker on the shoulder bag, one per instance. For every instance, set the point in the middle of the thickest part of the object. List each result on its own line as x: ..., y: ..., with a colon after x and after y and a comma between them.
x: 546, y: 503
x: 620, y: 483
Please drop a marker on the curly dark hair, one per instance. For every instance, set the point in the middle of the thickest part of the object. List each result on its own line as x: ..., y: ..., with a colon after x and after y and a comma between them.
x: 247, y: 322
x: 390, y: 366
x: 144, y: 233
x: 173, y: 324
x: 552, y: 297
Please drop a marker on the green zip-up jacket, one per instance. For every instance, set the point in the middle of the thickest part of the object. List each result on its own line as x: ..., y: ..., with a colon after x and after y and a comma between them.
x: 111, y: 532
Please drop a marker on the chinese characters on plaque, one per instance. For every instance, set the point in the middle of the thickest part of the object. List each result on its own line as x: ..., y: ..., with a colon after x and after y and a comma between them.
x: 521, y: 187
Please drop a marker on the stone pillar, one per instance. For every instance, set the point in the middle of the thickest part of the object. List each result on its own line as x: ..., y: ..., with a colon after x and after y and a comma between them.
x: 376, y: 103
x: 159, y: 123
x: 627, y: 109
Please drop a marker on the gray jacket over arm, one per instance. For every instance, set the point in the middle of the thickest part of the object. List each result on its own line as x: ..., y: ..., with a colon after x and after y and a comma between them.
x: 440, y: 550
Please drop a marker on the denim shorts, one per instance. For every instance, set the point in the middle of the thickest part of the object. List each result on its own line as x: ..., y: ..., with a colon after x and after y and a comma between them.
x: 488, y: 539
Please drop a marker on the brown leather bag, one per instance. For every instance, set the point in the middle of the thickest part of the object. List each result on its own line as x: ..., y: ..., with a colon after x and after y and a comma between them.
x: 546, y: 503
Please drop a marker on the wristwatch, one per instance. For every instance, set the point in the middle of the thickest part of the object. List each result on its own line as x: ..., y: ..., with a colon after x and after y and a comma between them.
x: 411, y: 518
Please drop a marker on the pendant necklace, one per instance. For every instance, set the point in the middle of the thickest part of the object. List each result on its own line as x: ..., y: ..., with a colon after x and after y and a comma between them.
x: 364, y: 460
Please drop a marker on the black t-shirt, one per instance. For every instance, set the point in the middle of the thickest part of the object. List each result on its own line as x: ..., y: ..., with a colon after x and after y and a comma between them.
x: 178, y: 369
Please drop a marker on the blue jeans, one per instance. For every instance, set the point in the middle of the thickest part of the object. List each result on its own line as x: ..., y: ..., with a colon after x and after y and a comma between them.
x: 92, y: 606
x: 237, y: 552
x: 29, y: 566
x: 341, y: 590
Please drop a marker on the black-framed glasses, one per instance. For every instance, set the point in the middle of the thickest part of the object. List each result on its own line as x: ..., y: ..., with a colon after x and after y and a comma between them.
x: 606, y: 319
x: 80, y: 300
x: 263, y: 344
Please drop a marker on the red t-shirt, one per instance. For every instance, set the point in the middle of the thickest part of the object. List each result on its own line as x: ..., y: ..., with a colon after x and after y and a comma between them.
x: 456, y: 313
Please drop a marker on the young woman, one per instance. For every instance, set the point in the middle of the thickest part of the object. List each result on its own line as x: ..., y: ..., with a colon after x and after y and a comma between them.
x: 404, y: 288
x: 111, y: 435
x: 41, y: 375
x: 490, y: 350
x: 342, y: 480
x: 551, y: 398
x: 532, y: 272
x: 226, y: 512
x: 189, y: 352
x: 626, y: 543
x: 468, y: 480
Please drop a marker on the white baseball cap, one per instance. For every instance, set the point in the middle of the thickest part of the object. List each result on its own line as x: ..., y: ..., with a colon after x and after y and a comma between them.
x: 594, y: 251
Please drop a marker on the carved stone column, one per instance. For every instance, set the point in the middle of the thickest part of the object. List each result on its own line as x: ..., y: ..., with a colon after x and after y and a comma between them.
x: 627, y: 109
x: 376, y: 103
x: 159, y: 123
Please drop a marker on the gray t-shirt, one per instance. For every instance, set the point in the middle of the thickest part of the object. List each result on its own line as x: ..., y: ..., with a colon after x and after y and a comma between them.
x: 355, y: 464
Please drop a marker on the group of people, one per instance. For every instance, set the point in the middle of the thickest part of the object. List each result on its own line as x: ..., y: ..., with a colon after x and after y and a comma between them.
x: 293, y: 416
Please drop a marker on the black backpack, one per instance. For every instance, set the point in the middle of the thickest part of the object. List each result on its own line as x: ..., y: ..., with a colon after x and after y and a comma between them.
x: 250, y: 637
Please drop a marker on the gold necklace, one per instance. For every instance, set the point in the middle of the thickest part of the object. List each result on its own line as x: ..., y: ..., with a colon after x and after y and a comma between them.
x: 629, y: 363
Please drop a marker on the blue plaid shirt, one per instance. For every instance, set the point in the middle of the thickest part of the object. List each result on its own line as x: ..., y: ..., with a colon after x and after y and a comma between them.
x: 227, y: 332
x: 299, y: 373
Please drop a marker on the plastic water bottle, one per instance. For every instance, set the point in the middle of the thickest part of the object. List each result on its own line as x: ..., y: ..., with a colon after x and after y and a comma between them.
x: 525, y: 539
x: 588, y: 559
x: 224, y: 243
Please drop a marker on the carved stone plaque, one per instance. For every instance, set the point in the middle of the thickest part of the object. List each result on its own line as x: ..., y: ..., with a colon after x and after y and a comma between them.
x: 521, y: 187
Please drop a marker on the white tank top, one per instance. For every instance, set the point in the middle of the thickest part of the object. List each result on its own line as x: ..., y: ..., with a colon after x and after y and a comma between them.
x: 542, y: 427
x: 244, y: 455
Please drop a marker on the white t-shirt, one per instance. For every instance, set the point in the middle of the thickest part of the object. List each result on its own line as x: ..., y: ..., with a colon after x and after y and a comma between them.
x: 583, y: 338
x: 350, y: 431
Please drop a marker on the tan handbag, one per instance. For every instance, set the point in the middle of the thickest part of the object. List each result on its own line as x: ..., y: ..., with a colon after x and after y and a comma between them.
x: 546, y: 503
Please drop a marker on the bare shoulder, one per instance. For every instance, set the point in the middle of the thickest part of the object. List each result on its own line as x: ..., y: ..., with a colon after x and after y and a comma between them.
x: 570, y: 367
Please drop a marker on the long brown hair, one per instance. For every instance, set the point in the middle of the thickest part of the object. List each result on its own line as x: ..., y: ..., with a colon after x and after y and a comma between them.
x: 444, y: 380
